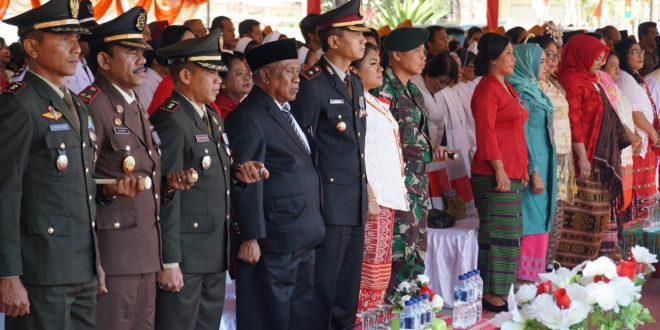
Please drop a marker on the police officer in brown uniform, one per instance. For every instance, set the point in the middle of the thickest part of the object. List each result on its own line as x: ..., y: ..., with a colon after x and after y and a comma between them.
x: 195, y: 222
x: 48, y: 255
x: 128, y: 229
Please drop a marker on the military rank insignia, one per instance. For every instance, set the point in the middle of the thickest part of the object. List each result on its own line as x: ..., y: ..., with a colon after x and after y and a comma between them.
x: 311, y: 73
x: 13, y: 88
x: 170, y: 106
x: 89, y: 93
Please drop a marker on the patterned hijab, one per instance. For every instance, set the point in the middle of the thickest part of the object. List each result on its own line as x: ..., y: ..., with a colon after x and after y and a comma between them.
x: 577, y: 57
x: 526, y: 73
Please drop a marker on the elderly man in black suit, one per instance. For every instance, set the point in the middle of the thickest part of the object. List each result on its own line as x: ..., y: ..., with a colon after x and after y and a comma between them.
x: 279, y: 221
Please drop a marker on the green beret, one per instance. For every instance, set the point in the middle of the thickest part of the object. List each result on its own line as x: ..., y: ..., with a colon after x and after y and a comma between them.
x: 405, y: 39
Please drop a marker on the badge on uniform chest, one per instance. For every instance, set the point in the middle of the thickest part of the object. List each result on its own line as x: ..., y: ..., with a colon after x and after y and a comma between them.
x: 62, y: 161
x: 202, y: 138
x: 129, y: 163
x: 60, y: 127
x: 52, y: 114
x: 341, y: 124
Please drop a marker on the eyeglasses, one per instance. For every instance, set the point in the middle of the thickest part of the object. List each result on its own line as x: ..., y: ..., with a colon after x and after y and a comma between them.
x: 636, y: 52
x: 551, y: 56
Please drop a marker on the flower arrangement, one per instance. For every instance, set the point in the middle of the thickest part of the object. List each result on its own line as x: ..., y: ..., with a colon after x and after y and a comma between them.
x: 598, y: 294
x: 418, y: 286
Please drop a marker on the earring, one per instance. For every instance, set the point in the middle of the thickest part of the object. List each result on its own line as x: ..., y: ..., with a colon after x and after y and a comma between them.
x: 223, y: 87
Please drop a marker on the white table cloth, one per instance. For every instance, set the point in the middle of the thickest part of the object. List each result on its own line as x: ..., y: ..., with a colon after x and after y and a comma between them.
x: 449, y: 253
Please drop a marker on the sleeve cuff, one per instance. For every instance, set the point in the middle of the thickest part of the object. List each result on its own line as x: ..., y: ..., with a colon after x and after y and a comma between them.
x: 171, y: 265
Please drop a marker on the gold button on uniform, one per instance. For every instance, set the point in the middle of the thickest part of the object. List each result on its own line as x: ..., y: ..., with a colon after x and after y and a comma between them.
x: 84, y: 144
x: 149, y: 152
x: 116, y: 225
x: 93, y: 224
x: 89, y: 197
x: 362, y: 155
x: 51, y: 230
x: 332, y: 179
x: 195, y: 225
x: 86, y: 170
x: 156, y: 196
x: 359, y: 134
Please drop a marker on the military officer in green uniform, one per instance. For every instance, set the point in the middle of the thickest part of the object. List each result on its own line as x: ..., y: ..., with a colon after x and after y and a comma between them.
x: 405, y: 48
x: 48, y: 250
x: 194, y: 224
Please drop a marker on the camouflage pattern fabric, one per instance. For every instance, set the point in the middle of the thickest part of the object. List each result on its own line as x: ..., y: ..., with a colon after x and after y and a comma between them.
x: 409, y: 239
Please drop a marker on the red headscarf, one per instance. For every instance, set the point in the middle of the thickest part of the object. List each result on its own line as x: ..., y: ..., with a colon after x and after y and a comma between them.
x: 577, y: 57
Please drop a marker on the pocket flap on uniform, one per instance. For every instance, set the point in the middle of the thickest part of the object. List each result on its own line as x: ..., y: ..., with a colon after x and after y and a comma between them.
x: 55, y: 140
x: 48, y: 225
x: 108, y: 218
x: 193, y: 224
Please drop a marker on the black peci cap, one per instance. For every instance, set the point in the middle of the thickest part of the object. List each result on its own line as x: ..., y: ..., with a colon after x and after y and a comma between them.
x: 55, y: 16
x: 272, y: 52
x: 405, y: 39
x: 124, y: 30
x: 203, y: 51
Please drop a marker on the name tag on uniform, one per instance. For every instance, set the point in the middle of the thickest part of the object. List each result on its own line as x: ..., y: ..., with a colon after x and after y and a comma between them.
x: 336, y: 101
x: 202, y: 138
x: 60, y: 127
x: 225, y: 139
x: 121, y: 130
x: 155, y: 137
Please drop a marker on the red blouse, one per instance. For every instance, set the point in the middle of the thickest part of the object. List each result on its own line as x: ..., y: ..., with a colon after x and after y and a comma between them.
x: 224, y: 104
x: 499, y: 120
x: 585, y: 111
x: 162, y: 93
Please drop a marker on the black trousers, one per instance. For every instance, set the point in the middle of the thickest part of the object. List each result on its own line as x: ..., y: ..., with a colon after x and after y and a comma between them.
x: 70, y: 306
x: 338, y: 270
x: 198, y: 306
x: 275, y: 294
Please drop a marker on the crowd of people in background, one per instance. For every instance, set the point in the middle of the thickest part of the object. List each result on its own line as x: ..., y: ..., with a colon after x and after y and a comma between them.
x: 325, y: 144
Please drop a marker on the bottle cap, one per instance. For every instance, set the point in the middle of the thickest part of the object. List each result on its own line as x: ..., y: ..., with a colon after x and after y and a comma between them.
x: 409, y: 302
x: 425, y: 296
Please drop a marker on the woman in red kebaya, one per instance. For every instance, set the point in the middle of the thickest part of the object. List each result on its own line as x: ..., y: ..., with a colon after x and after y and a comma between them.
x: 236, y: 83
x: 499, y: 168
x: 598, y: 137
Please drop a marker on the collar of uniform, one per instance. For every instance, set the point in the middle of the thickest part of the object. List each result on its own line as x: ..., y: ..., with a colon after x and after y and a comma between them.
x: 129, y: 98
x: 342, y: 74
x: 57, y: 89
x: 200, y: 110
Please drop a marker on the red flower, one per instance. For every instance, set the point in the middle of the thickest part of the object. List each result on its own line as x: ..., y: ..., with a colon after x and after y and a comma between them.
x: 601, y: 278
x: 627, y: 268
x: 425, y: 289
x: 544, y: 287
x: 562, y: 299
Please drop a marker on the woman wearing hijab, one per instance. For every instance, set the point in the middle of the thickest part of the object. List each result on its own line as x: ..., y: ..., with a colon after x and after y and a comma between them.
x: 562, y: 137
x: 598, y: 137
x: 631, y: 59
x: 540, y: 194
x: 499, y: 168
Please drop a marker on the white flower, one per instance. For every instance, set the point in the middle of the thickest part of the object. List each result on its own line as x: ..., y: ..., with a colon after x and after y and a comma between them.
x: 404, y: 286
x: 437, y: 302
x: 562, y: 277
x: 423, y: 279
x: 545, y: 310
x: 601, y: 266
x: 526, y: 293
x: 642, y: 255
x: 620, y: 292
x: 577, y: 292
x: 402, y: 300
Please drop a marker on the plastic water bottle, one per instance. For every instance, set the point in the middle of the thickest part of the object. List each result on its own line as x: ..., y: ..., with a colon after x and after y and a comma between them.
x: 407, y: 319
x: 429, y: 311
x: 470, y: 288
x: 480, y: 294
x: 460, y: 301
x: 420, y: 312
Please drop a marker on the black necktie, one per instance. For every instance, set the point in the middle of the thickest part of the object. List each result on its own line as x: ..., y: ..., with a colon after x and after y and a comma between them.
x: 286, y: 109
x: 68, y: 100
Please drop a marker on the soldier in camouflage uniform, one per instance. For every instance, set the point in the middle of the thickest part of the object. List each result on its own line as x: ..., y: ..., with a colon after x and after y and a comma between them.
x: 406, y: 53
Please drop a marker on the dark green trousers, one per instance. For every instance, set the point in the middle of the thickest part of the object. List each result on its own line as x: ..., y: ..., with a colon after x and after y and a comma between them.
x: 68, y: 307
x: 198, y: 306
